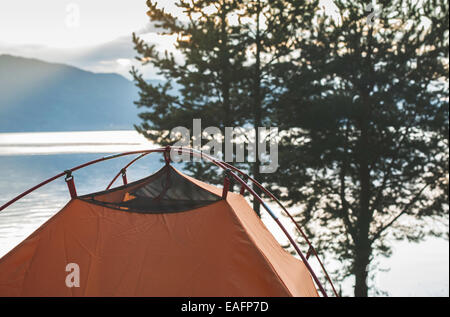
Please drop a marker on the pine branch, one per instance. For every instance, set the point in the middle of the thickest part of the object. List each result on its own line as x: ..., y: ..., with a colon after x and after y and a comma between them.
x: 403, y: 212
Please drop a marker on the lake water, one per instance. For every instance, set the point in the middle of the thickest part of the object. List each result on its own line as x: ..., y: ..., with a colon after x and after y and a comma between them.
x: 26, y: 159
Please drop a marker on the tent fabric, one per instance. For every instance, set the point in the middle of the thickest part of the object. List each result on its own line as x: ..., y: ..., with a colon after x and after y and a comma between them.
x: 218, y: 249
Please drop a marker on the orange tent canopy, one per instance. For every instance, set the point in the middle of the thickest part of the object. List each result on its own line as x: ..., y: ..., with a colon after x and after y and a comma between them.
x: 165, y: 235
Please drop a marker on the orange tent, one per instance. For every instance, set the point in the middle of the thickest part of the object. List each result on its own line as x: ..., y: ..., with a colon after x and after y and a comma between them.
x: 164, y: 235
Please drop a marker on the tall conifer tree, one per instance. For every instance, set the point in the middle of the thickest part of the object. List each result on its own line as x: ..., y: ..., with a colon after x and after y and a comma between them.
x: 367, y: 109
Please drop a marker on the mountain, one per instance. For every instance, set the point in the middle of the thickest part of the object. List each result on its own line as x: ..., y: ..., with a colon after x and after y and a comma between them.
x: 41, y: 96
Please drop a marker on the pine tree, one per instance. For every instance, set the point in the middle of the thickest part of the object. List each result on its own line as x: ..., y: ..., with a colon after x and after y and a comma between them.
x: 205, y: 84
x: 270, y: 30
x: 367, y: 111
x: 230, y: 49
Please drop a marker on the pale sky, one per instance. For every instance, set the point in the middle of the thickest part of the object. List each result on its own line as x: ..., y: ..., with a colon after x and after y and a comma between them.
x: 71, y: 23
x: 91, y: 34
x: 94, y: 35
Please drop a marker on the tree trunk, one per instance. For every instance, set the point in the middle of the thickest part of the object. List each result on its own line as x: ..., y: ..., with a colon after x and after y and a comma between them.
x: 225, y: 67
x: 257, y: 110
x: 362, y: 243
x: 256, y: 175
x: 361, y: 273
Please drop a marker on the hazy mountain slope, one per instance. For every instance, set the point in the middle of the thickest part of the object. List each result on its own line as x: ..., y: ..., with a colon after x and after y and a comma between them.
x: 41, y: 96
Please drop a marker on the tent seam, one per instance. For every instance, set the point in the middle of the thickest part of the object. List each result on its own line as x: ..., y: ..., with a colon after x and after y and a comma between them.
x: 259, y: 250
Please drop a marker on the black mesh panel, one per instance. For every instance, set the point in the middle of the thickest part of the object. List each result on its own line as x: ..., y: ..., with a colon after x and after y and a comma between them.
x: 163, y: 192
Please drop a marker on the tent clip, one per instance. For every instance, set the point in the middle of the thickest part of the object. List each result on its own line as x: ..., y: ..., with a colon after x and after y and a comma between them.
x: 124, y: 176
x: 167, y: 155
x: 70, y: 183
x: 226, y: 184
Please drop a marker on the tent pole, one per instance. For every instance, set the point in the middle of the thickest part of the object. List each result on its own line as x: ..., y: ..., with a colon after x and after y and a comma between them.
x: 216, y: 162
x: 311, y: 247
x: 243, y: 183
x: 125, y: 167
x: 244, y: 186
x: 51, y: 179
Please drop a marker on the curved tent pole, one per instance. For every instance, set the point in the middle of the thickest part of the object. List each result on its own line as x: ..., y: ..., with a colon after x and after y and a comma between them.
x: 226, y: 166
x: 125, y: 168
x: 216, y: 162
x: 51, y: 179
x: 271, y: 195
